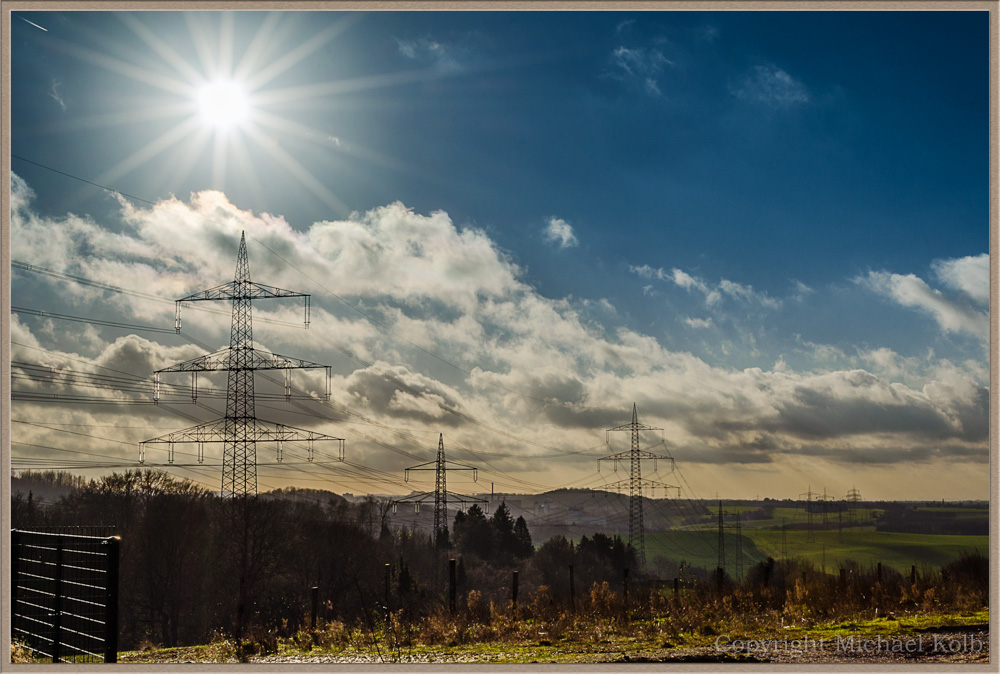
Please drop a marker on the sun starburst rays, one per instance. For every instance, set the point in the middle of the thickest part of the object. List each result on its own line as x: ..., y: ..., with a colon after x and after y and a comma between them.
x: 226, y: 104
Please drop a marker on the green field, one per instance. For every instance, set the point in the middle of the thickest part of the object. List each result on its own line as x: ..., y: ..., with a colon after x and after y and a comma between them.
x: 700, y: 547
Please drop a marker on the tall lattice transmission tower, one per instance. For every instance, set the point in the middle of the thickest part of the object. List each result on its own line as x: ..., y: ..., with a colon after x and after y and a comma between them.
x: 810, y: 495
x: 440, y: 466
x: 635, y: 482
x: 240, y: 430
x: 853, y: 499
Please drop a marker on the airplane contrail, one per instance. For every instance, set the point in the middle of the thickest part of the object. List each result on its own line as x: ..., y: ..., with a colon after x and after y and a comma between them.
x: 33, y: 24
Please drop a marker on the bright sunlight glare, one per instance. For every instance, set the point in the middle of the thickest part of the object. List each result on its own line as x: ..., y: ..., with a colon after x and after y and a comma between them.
x: 223, y: 103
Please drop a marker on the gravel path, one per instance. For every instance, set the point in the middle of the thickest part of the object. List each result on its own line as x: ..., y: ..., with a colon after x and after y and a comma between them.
x: 970, y: 645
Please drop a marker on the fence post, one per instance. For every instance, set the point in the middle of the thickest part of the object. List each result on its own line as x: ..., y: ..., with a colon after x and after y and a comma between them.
x: 111, y: 599
x: 913, y: 574
x: 388, y: 574
x: 57, y: 603
x: 677, y: 584
x: 314, y: 595
x: 880, y: 572
x: 572, y: 590
x: 843, y: 577
x: 625, y: 590
x: 451, y: 585
x: 513, y: 590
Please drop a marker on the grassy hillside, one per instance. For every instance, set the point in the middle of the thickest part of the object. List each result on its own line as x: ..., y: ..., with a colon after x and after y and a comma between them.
x: 899, y: 551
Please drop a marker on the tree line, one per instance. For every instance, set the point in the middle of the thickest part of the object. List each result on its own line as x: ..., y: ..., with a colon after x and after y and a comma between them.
x: 181, y: 571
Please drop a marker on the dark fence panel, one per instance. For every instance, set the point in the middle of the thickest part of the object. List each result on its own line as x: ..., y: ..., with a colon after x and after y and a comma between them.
x: 64, y: 595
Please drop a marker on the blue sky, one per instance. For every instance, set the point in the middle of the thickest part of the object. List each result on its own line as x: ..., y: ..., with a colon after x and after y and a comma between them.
x: 770, y: 230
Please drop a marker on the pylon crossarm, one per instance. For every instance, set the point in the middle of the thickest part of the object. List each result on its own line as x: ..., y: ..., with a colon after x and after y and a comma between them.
x: 422, y: 497
x: 240, y: 290
x: 633, y: 427
x: 224, y: 359
x: 432, y: 465
x: 463, y: 499
x: 215, y: 431
x: 627, y: 455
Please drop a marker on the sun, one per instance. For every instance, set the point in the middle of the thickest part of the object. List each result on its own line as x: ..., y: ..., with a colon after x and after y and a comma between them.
x: 223, y: 104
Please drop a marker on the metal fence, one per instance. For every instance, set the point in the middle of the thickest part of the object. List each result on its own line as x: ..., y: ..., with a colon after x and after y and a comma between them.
x: 64, y: 595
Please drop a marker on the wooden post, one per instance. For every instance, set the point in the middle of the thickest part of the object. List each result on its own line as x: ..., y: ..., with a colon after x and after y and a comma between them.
x: 677, y: 585
x: 625, y: 590
x: 880, y: 572
x: 452, y: 565
x: 913, y: 574
x: 843, y: 577
x: 111, y: 599
x: 314, y: 592
x: 572, y: 590
x: 388, y: 574
x: 513, y: 590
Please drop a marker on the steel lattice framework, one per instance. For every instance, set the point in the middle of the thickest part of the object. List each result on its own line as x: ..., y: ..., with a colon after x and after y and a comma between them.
x: 240, y: 430
x: 635, y: 456
x: 440, y: 466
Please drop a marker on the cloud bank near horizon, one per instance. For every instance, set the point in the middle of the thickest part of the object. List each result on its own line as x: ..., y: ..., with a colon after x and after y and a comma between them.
x: 445, y: 334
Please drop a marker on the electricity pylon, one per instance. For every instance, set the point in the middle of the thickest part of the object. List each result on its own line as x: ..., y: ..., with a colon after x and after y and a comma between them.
x: 722, y: 546
x: 853, y: 498
x: 636, y: 530
x: 809, y: 513
x: 440, y: 466
x: 240, y: 430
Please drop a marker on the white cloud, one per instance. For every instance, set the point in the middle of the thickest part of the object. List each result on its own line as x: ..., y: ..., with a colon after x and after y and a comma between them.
x: 646, y: 271
x: 771, y: 86
x: 910, y: 290
x: 444, y: 57
x: 537, y: 368
x: 698, y: 323
x: 971, y: 275
x: 624, y: 25
x: 560, y: 232
x: 641, y: 66
x: 714, y: 294
x: 56, y: 96
x: 801, y: 291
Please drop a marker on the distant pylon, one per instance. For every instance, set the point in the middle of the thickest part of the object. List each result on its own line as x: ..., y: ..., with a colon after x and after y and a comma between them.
x: 809, y: 512
x: 722, y: 543
x: 853, y: 498
x: 636, y: 529
x: 239, y: 430
x: 440, y: 467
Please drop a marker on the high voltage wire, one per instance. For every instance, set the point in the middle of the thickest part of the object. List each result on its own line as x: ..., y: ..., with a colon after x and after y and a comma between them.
x: 317, y: 283
x: 111, y: 383
x: 94, y: 321
x: 395, y: 380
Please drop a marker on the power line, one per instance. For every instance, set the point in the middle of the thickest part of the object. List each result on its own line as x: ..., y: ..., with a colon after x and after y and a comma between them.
x: 374, y: 321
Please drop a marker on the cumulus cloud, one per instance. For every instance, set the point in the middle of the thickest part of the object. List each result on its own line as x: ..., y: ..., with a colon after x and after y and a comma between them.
x: 457, y: 343
x: 559, y: 232
x: 910, y: 290
x: 970, y: 275
x: 771, y: 86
